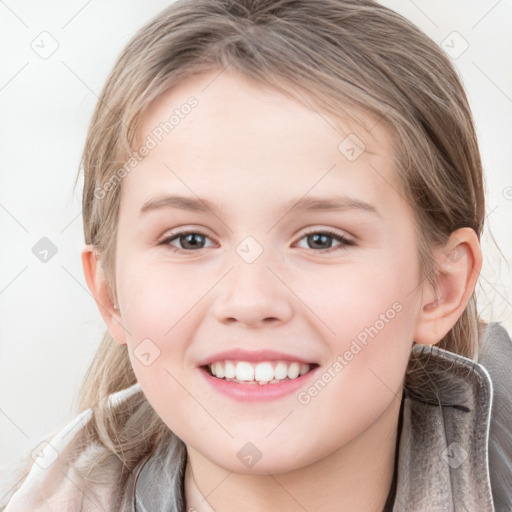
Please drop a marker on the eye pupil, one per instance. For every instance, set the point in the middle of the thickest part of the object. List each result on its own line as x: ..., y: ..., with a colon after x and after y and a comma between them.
x: 320, y: 238
x: 191, y: 239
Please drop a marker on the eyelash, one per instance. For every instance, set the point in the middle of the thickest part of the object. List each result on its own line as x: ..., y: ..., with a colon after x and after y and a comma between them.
x: 344, y: 241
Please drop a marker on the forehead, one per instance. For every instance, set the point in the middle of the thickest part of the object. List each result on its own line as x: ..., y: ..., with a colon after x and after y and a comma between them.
x: 222, y: 98
x: 213, y: 132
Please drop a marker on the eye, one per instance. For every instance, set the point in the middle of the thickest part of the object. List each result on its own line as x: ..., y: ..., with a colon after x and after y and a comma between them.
x: 189, y: 240
x: 323, y: 240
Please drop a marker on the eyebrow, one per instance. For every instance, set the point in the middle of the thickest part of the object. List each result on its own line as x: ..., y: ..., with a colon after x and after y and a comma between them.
x: 309, y: 203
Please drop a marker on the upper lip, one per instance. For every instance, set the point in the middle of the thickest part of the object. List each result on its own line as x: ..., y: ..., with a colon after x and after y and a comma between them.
x: 240, y: 354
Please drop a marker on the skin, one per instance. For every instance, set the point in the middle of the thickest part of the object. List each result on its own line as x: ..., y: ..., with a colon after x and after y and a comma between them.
x: 249, y: 150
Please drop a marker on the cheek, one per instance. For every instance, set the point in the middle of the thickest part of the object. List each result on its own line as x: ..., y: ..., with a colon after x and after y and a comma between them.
x: 161, y: 306
x: 366, y: 314
x: 364, y: 376
x: 362, y: 291
x: 156, y: 298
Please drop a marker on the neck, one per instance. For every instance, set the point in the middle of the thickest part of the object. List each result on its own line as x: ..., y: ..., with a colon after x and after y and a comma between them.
x: 357, y: 476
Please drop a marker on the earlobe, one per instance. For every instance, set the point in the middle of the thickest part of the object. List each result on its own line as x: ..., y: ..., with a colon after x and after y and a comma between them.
x: 98, y: 287
x: 459, y: 263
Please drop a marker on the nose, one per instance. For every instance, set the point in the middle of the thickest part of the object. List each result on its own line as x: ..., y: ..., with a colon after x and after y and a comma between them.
x: 253, y: 294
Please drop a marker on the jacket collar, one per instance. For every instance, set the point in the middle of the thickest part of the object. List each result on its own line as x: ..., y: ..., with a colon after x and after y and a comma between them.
x: 443, y: 451
x: 442, y: 459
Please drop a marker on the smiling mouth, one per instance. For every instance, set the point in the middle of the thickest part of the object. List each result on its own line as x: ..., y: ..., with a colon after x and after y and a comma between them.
x: 304, y: 370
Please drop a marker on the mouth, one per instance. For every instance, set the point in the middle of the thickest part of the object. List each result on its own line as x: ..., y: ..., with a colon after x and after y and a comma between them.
x: 262, y: 373
x: 257, y: 382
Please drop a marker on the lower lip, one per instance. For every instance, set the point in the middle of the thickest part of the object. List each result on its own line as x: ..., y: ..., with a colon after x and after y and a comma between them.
x: 257, y: 392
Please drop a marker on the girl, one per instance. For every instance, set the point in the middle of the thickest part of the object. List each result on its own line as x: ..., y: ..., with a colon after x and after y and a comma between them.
x: 282, y: 209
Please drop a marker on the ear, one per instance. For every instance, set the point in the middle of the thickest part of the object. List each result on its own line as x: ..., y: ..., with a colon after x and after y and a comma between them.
x: 99, y: 288
x: 459, y: 263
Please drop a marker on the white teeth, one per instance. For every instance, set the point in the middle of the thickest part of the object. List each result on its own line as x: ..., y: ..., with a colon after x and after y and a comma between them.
x: 293, y: 370
x: 230, y: 370
x: 244, y: 371
x: 281, y: 371
x: 262, y: 373
x: 219, y: 370
x: 304, y: 368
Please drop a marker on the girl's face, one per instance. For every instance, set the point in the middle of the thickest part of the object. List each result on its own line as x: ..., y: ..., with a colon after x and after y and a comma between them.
x: 263, y: 272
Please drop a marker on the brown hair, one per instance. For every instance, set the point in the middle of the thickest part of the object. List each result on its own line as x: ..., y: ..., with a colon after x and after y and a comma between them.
x: 345, y: 55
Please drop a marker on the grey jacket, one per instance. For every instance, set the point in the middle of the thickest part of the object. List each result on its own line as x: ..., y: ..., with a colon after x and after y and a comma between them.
x: 454, y: 448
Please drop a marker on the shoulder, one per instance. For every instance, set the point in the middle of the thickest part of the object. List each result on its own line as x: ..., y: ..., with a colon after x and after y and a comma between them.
x: 57, y: 480
x: 496, y: 357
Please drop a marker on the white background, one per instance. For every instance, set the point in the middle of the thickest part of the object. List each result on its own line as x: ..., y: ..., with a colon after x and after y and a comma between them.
x: 49, y: 324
